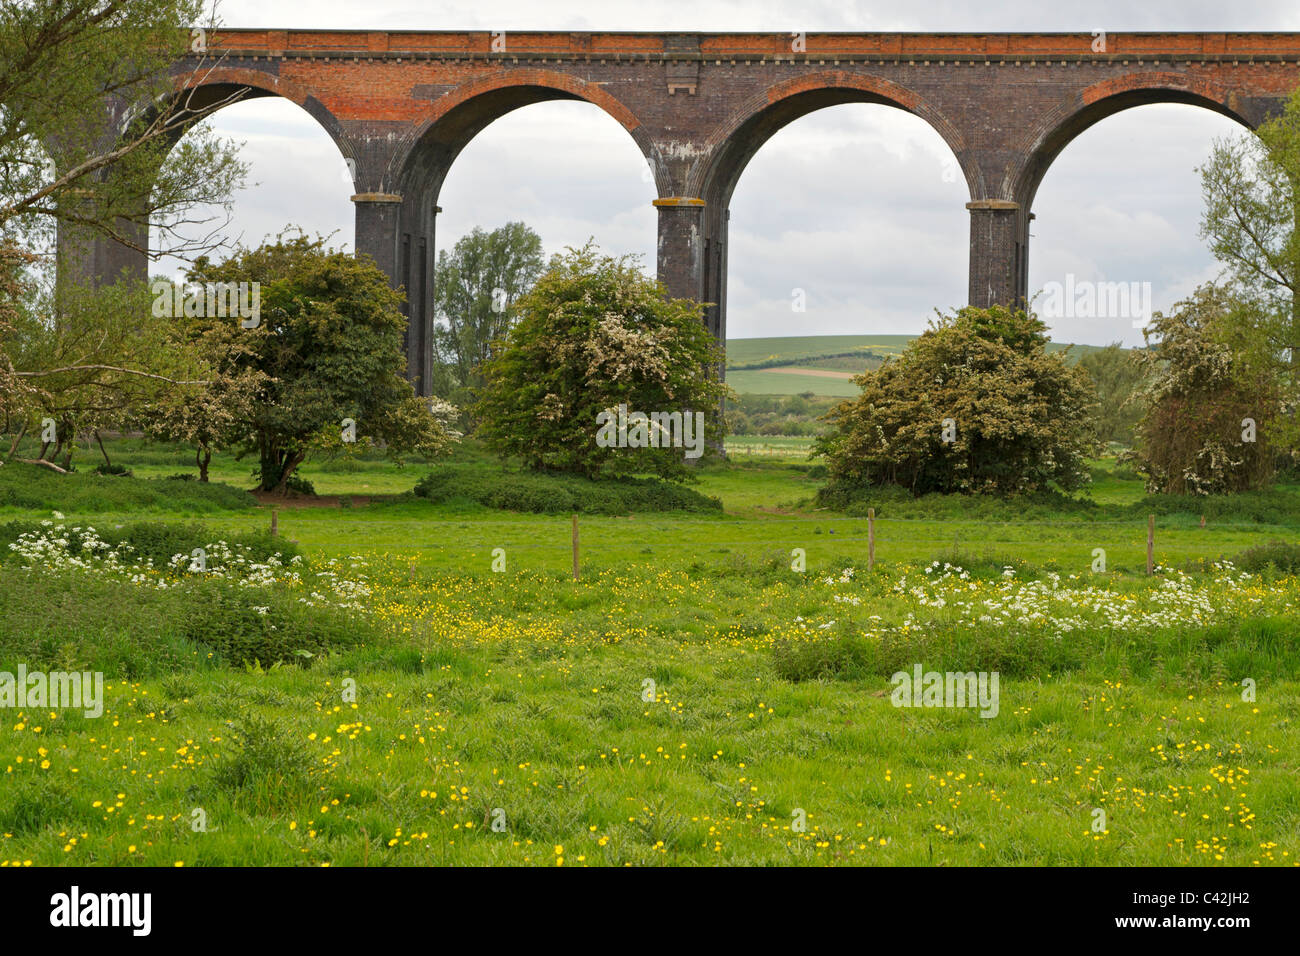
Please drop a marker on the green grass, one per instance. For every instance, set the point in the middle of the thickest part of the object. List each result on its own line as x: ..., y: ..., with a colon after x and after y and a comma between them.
x: 32, y: 488
x: 768, y: 505
x: 518, y: 696
x: 544, y: 726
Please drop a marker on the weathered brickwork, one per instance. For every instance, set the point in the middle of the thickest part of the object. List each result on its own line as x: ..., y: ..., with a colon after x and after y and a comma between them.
x: 402, y: 105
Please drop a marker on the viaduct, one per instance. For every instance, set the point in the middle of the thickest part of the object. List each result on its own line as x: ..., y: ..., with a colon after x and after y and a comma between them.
x: 402, y: 105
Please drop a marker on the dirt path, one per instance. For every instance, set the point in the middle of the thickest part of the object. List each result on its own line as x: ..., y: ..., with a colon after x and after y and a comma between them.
x: 303, y: 501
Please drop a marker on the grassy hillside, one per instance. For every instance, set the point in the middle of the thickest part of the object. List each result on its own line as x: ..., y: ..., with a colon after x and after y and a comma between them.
x: 786, y: 358
x: 796, y: 347
x: 768, y: 382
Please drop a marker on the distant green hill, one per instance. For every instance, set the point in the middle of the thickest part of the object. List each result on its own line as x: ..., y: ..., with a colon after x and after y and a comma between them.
x: 820, y: 364
x: 750, y: 351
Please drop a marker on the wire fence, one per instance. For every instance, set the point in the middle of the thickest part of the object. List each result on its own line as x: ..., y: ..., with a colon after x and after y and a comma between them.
x: 600, y: 539
x: 469, y: 541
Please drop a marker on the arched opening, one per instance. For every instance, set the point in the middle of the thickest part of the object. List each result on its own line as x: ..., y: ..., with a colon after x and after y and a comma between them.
x: 1116, y: 215
x: 849, y: 219
x: 297, y: 176
x: 551, y: 156
x: 564, y: 169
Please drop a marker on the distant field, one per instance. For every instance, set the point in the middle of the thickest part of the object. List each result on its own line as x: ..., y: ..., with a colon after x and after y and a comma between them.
x: 768, y: 382
x: 787, y: 447
x: 820, y: 354
x: 812, y: 352
x: 796, y: 347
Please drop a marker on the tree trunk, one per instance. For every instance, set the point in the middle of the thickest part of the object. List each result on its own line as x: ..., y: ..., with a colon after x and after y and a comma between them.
x: 269, y: 470
x: 13, y: 449
x: 290, y: 465
x: 100, y: 442
x: 1295, y: 323
x: 41, y: 461
x: 201, y: 458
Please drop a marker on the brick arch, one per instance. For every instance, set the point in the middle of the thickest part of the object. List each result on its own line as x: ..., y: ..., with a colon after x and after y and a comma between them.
x: 464, y: 111
x: 725, y: 153
x: 1039, y: 146
x: 550, y: 79
x: 220, y: 81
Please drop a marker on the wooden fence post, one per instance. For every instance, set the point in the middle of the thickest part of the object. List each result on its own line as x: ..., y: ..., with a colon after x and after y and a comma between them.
x: 275, y: 527
x: 575, y: 547
x: 871, y: 539
x: 1151, y: 544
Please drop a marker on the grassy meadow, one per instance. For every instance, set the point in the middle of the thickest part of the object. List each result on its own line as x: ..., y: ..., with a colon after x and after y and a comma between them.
x: 422, y: 682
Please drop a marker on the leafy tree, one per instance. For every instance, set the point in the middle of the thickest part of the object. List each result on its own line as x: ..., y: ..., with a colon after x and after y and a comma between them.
x: 210, y: 412
x: 1117, y: 376
x: 475, y: 284
x: 327, y: 346
x: 1211, y: 374
x: 1252, y: 209
x: 91, y: 119
x: 593, y: 334
x: 975, y: 404
x: 94, y: 366
x: 88, y: 149
x: 1251, y: 200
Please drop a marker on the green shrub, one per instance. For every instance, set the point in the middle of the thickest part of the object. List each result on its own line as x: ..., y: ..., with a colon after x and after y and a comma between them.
x: 550, y: 493
x: 265, y: 626
x: 160, y: 541
x: 1275, y: 506
x: 74, y: 620
x: 300, y: 486
x: 264, y: 754
x: 32, y: 488
x: 593, y: 334
x: 1282, y: 556
x: 1020, y: 417
x: 854, y: 499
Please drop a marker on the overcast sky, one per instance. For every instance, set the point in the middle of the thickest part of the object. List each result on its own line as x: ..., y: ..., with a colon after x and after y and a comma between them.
x: 855, y: 205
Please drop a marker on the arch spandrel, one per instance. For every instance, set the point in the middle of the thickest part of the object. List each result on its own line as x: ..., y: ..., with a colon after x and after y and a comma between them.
x: 426, y: 151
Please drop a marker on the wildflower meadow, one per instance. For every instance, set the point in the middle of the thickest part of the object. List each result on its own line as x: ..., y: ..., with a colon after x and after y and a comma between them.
x: 383, y: 685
